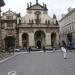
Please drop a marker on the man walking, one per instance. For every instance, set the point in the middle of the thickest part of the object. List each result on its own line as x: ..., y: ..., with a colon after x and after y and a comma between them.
x: 64, y: 52
x: 29, y: 49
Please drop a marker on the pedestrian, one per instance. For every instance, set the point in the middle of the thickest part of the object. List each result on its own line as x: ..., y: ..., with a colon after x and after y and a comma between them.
x: 64, y: 52
x: 44, y: 49
x: 54, y: 49
x: 12, y: 49
x: 29, y: 49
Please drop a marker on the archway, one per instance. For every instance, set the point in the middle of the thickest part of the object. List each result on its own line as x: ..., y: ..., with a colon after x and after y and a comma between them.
x: 39, y: 39
x: 25, y: 40
x: 53, y: 39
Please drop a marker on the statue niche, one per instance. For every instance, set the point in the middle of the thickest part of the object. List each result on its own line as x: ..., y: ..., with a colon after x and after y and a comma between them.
x: 37, y: 14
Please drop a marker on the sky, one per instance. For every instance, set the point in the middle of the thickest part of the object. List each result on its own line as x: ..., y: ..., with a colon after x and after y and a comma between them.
x: 57, y: 7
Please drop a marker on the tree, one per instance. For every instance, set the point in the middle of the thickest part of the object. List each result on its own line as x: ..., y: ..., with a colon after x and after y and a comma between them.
x: 9, y: 42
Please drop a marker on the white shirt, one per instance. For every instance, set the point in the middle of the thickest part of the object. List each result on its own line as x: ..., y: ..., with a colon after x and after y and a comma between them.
x: 63, y: 49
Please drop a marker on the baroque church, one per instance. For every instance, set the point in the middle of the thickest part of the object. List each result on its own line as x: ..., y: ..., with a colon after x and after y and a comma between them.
x: 36, y: 29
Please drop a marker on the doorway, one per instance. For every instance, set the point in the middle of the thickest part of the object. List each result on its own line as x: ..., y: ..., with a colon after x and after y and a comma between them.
x: 39, y: 39
x: 39, y: 44
x: 25, y: 40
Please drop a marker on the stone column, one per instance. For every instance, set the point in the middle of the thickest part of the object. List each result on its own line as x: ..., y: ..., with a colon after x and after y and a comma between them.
x: 3, y: 37
x: 17, y: 39
x: 20, y: 39
x: 31, y: 39
x: 48, y: 40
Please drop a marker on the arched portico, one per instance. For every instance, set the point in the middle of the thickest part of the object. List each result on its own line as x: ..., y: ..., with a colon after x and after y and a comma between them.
x: 39, y: 37
x: 25, y: 39
x: 53, y: 39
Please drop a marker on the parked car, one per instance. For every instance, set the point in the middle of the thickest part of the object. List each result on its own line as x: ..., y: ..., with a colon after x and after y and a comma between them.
x: 71, y: 46
x: 2, y: 50
x: 17, y: 49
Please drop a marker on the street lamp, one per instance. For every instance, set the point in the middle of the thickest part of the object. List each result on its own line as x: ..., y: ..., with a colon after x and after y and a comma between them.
x: 1, y: 4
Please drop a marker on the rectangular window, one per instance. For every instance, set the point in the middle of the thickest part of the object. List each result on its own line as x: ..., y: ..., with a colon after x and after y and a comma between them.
x: 9, y: 25
x: 10, y: 32
x: 70, y: 28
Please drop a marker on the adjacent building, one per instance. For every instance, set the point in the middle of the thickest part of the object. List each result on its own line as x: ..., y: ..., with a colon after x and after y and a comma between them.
x: 67, y: 27
x: 1, y: 5
x: 36, y: 29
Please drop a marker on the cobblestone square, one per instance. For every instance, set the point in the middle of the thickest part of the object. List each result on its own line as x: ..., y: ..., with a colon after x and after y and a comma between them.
x: 40, y: 63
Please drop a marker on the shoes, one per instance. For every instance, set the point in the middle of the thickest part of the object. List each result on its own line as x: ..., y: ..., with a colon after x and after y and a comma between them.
x: 65, y: 58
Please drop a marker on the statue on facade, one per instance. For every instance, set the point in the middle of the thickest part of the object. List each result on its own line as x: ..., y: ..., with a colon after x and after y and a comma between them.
x: 55, y: 19
x: 27, y: 5
x: 45, y: 6
x: 30, y: 4
x: 54, y: 16
x: 36, y: 1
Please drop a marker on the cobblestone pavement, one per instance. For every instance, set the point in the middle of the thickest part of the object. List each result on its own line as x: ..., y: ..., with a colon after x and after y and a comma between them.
x: 40, y: 63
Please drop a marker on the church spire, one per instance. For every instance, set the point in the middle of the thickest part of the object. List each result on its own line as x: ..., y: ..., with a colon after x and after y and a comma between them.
x: 36, y: 1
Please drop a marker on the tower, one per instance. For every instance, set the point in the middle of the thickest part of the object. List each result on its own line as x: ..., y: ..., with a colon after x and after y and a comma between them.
x: 54, y: 19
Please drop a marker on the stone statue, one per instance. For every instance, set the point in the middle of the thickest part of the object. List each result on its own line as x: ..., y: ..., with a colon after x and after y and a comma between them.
x: 43, y: 4
x: 30, y: 4
x: 54, y: 16
x: 27, y: 5
x: 36, y: 1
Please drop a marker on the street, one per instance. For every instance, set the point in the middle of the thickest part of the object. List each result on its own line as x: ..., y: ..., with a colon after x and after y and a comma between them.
x: 40, y: 63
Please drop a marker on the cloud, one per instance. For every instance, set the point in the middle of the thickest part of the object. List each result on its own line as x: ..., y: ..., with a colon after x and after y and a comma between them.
x: 54, y: 6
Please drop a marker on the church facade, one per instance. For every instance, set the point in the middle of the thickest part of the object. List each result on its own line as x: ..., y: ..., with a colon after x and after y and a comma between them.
x: 36, y: 29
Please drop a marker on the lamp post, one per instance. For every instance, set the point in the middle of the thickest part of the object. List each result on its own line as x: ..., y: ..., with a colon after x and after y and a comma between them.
x: 1, y: 5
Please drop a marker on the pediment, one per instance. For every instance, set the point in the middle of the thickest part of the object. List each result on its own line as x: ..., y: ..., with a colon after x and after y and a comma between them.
x: 9, y: 12
x: 37, y: 7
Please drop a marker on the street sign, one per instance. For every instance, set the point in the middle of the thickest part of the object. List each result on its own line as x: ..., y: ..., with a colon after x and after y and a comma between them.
x: 12, y: 73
